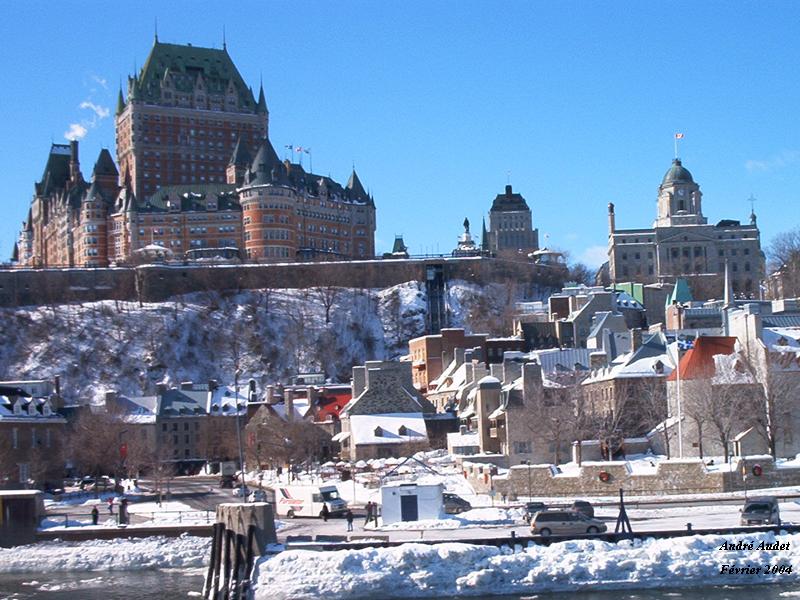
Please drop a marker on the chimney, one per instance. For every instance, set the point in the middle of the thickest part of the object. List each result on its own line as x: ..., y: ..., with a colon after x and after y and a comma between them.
x: 512, y: 369
x: 57, y: 385
x: 459, y: 356
x: 161, y: 388
x: 611, y: 219
x: 359, y: 381
x: 508, y: 190
x: 270, y: 396
x: 110, y: 400
x: 74, y: 165
x: 636, y: 339
x: 462, y: 429
x: 212, y: 385
x: 288, y: 400
x: 598, y: 360
x: 251, y: 390
x: 531, y: 380
x: 186, y: 386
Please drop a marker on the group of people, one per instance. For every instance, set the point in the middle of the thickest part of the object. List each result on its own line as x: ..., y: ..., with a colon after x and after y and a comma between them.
x: 372, y: 515
x: 123, y: 511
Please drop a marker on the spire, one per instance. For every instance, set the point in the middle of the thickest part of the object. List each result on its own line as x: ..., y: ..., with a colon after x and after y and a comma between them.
x: 224, y: 41
x: 484, y: 237
x: 728, y: 298
x: 355, y: 187
x: 155, y: 30
x: 120, y: 101
x: 261, y: 107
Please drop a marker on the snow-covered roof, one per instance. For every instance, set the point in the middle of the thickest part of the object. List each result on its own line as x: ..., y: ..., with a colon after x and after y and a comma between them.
x: 456, y: 438
x: 300, y: 407
x: 392, y: 428
x: 781, y: 339
x: 28, y: 409
x: 223, y: 400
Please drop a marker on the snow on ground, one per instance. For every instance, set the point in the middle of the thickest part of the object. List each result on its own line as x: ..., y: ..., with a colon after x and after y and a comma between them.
x: 478, y: 517
x: 106, y: 555
x: 454, y: 569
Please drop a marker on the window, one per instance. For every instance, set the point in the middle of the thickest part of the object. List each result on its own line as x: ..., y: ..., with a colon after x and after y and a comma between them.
x: 15, y: 438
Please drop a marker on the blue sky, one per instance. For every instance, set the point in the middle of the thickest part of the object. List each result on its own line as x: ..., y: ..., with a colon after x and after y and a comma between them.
x: 437, y: 102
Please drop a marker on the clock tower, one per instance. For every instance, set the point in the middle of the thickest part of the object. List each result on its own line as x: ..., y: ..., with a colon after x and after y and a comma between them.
x: 679, y: 199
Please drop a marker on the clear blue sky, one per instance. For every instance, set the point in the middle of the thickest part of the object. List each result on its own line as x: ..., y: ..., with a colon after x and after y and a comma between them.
x: 436, y: 102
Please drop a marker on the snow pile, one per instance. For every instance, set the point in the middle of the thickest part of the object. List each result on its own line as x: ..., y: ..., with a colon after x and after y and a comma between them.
x: 452, y: 569
x: 106, y: 555
x: 477, y: 517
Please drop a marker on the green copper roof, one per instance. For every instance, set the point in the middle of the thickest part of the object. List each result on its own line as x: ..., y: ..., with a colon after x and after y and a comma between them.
x: 183, y: 65
x: 680, y: 293
x: 677, y: 174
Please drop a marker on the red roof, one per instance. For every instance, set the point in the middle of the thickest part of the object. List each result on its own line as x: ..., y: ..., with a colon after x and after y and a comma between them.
x: 698, y: 363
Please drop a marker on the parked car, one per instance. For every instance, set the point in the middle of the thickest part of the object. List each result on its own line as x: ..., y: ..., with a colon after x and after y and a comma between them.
x: 583, y: 507
x: 240, y: 491
x: 531, y: 508
x: 102, y: 484
x: 564, y: 522
x: 454, y: 504
x: 761, y: 511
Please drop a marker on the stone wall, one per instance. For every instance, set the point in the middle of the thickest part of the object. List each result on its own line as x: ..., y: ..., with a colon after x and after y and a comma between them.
x: 674, y: 477
x: 154, y: 283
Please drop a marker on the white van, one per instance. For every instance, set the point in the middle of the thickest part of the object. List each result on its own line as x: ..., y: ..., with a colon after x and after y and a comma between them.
x: 307, y: 500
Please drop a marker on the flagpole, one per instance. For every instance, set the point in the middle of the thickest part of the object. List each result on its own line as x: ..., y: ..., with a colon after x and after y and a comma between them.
x: 675, y: 140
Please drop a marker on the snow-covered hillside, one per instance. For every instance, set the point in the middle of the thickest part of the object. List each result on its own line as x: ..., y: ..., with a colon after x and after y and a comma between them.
x: 128, y: 348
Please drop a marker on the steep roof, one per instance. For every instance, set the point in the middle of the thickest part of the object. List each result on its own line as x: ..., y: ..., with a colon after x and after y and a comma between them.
x: 184, y: 64
x: 56, y: 171
x: 698, y: 362
x: 192, y: 197
x: 509, y: 201
x: 241, y: 155
x: 680, y: 293
x: 104, y: 166
x: 354, y: 186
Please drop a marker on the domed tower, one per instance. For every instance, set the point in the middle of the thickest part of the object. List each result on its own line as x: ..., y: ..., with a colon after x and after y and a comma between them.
x: 679, y: 198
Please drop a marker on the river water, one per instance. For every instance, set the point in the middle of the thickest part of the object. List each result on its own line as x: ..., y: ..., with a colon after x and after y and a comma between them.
x: 171, y: 584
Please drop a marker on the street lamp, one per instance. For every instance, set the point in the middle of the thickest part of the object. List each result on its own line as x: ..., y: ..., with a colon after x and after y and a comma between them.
x: 239, y: 430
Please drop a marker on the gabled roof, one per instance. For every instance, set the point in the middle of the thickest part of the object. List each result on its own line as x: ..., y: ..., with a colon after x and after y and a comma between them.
x: 698, y: 363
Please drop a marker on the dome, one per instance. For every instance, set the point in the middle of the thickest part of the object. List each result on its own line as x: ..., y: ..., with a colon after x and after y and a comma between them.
x: 677, y: 174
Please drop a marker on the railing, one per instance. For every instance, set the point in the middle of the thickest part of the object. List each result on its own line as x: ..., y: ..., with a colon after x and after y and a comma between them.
x: 156, y: 518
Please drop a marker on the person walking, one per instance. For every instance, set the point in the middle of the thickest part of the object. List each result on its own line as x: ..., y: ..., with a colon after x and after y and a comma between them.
x: 95, y: 515
x: 325, y: 513
x: 349, y: 516
x: 111, y: 506
x: 370, y: 508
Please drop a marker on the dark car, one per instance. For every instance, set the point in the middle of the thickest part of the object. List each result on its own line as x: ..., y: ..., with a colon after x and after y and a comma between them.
x: 583, y: 507
x: 454, y: 504
x: 531, y: 508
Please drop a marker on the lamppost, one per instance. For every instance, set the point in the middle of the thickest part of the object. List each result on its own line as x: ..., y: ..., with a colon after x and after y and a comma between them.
x: 239, y: 430
x: 528, y: 463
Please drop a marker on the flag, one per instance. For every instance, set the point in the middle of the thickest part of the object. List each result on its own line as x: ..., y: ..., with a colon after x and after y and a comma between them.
x: 678, y: 136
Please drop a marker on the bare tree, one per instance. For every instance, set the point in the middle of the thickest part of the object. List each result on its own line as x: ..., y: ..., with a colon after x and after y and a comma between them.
x: 653, y: 397
x: 780, y: 389
x: 784, y: 257
x: 327, y: 295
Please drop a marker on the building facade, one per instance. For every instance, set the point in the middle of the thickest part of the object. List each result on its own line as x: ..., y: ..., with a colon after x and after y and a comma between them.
x: 187, y: 180
x: 681, y: 243
x: 511, y: 225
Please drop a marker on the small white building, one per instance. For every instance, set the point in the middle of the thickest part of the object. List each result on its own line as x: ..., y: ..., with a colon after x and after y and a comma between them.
x: 402, y: 501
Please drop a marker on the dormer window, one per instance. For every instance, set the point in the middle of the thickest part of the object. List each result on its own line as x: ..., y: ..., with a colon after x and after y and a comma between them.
x: 402, y: 430
x: 378, y: 432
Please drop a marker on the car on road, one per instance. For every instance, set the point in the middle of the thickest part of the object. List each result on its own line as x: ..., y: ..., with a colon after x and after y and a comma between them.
x: 564, y: 522
x: 531, y: 508
x: 583, y: 507
x: 454, y: 504
x: 761, y: 511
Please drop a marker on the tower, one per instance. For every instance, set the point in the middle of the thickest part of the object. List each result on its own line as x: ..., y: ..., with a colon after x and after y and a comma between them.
x: 679, y: 198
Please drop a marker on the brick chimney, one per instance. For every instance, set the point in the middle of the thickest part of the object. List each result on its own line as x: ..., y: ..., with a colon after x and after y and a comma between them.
x: 636, y: 339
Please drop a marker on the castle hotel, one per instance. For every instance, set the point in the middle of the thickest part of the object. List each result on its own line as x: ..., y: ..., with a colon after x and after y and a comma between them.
x: 196, y: 170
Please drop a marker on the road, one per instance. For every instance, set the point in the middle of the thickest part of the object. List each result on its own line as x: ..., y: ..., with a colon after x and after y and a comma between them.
x: 202, y: 493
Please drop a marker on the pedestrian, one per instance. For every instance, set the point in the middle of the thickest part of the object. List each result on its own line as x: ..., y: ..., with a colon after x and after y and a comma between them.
x: 349, y: 516
x: 325, y: 513
x: 111, y: 505
x: 123, y: 512
x: 95, y: 515
x: 370, y: 508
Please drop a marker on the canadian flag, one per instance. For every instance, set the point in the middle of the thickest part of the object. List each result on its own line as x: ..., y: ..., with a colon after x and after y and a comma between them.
x: 678, y: 136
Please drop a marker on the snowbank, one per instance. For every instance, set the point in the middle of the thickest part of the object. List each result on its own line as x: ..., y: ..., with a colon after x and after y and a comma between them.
x: 478, y: 517
x: 452, y: 569
x: 106, y: 555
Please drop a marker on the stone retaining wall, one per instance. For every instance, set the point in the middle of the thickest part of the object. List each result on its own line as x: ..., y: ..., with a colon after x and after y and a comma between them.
x: 674, y: 477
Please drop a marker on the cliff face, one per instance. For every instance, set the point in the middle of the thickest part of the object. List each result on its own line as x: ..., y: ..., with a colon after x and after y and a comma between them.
x: 128, y: 348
